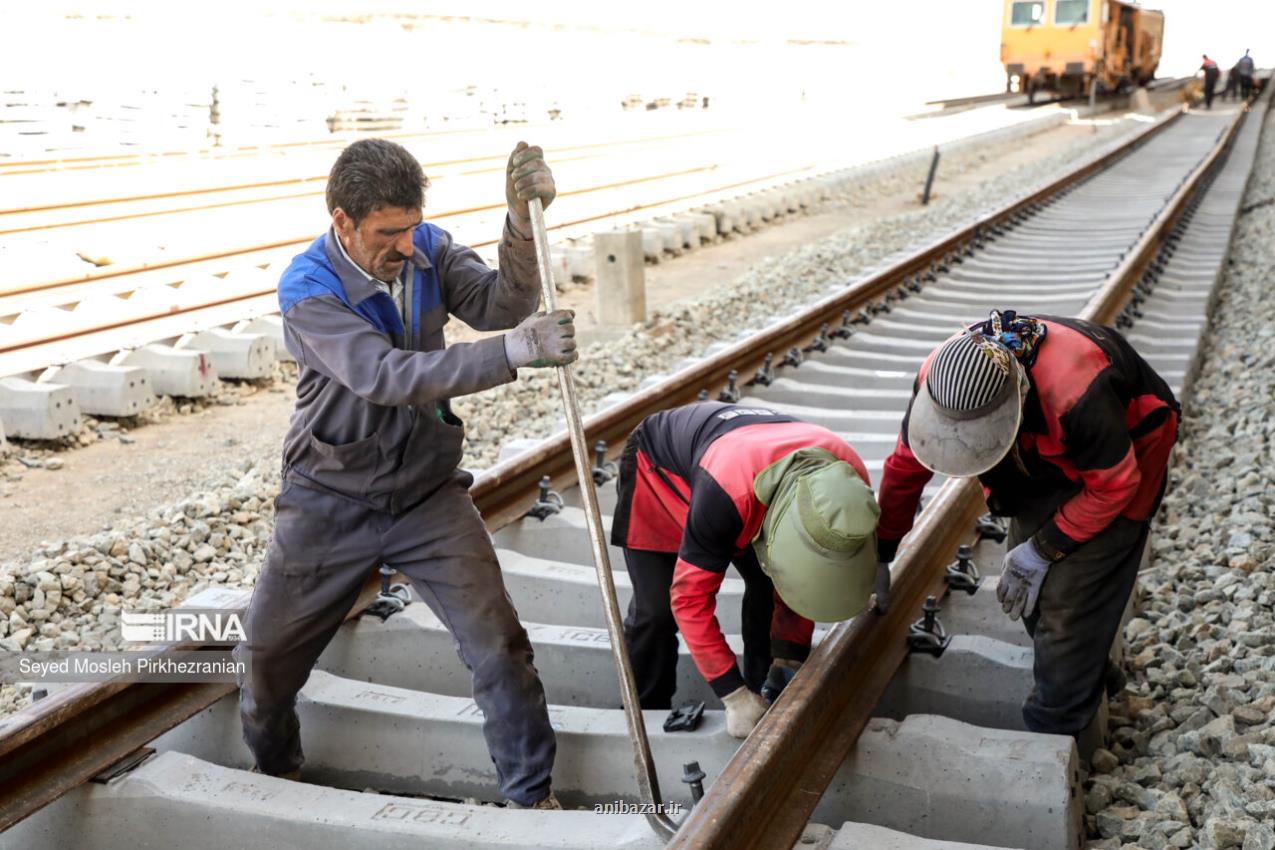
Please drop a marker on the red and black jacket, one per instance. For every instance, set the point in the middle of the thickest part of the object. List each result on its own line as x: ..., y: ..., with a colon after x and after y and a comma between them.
x: 1098, y: 420
x: 686, y: 486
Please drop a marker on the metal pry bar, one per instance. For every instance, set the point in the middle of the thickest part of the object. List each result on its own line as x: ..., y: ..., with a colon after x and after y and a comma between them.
x: 648, y: 782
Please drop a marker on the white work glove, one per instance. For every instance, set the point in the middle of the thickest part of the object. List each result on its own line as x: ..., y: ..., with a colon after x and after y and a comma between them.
x: 1022, y: 573
x: 881, y: 588
x: 527, y: 177
x: 743, y: 709
x: 542, y: 340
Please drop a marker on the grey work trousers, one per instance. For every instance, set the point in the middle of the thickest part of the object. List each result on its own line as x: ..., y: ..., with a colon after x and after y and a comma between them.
x: 1081, y: 603
x: 323, y: 549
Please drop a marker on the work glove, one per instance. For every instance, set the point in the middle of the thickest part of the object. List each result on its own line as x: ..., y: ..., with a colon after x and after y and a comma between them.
x: 527, y: 177
x: 543, y: 340
x: 781, y: 673
x: 881, y: 588
x: 743, y: 709
x: 1022, y: 573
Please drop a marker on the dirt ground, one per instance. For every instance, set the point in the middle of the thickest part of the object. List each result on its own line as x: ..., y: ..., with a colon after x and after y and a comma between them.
x: 166, y: 461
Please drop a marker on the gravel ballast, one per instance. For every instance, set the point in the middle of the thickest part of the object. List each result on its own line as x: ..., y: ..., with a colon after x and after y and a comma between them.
x: 1192, y: 756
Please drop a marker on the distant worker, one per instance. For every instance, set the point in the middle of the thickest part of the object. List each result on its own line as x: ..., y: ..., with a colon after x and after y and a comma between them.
x: 370, y: 461
x: 788, y: 503
x: 1244, y: 68
x: 1231, y: 89
x: 1211, y: 72
x: 1069, y: 432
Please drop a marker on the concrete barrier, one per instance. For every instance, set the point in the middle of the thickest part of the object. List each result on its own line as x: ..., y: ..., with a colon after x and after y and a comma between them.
x: 38, y: 411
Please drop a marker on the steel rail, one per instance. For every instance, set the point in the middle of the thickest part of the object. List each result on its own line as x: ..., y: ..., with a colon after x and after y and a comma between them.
x: 767, y: 791
x: 109, y: 273
x: 56, y: 744
x: 294, y: 181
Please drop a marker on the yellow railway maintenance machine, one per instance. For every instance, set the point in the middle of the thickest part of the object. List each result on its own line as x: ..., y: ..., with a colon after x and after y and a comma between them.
x: 1066, y: 46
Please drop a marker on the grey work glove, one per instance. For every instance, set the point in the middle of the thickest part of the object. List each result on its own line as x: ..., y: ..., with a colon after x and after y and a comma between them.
x: 881, y: 588
x: 1022, y: 573
x: 743, y: 709
x: 527, y: 177
x: 543, y: 340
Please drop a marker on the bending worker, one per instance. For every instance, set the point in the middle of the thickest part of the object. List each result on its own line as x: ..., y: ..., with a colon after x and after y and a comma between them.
x: 370, y: 461
x: 1070, y: 432
x: 788, y: 503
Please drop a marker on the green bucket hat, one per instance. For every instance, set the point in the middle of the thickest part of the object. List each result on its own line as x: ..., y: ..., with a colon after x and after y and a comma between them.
x: 818, y: 538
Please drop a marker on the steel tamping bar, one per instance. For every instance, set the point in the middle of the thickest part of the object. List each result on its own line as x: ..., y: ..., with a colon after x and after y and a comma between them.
x: 648, y: 782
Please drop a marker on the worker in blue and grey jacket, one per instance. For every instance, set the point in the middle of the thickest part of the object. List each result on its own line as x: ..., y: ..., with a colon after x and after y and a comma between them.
x: 370, y: 461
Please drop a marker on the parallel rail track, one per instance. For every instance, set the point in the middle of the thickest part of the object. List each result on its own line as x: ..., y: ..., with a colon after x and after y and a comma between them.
x: 1077, y: 246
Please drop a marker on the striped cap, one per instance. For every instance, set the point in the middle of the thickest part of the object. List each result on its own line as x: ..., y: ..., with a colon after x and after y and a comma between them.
x: 967, y: 418
x: 969, y: 376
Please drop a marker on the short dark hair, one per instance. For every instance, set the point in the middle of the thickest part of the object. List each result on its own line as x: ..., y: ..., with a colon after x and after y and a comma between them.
x: 375, y: 173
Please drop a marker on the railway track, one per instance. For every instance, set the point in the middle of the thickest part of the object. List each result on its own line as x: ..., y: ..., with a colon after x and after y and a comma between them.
x: 220, y: 299
x: 394, y: 745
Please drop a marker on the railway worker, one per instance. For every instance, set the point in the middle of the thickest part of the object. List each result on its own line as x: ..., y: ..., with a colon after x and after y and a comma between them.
x: 1070, y: 432
x: 788, y: 503
x: 370, y: 462
x: 1211, y: 72
x: 1244, y: 67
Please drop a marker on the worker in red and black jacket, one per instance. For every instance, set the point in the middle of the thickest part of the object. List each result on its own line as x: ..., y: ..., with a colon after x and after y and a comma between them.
x: 788, y: 503
x: 1070, y: 433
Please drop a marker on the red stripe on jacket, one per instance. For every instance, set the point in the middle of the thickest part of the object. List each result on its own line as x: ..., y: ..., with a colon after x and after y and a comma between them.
x: 723, y: 482
x: 1084, y: 433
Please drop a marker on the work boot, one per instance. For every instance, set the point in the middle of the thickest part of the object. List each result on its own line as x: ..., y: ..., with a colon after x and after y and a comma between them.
x: 293, y: 775
x: 549, y: 803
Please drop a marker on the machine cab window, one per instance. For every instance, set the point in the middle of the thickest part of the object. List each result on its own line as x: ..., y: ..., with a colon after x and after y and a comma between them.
x: 1070, y: 13
x: 1027, y: 13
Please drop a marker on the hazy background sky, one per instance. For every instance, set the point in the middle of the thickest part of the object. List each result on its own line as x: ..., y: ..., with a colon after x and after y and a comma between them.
x: 855, y: 55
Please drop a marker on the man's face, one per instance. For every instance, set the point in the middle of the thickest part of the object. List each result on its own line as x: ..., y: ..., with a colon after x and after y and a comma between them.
x: 381, y: 242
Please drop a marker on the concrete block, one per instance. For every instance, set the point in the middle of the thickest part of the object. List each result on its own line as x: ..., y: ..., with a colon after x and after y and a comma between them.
x: 670, y: 236
x: 559, y: 266
x: 705, y: 225
x: 723, y: 218
x: 688, y: 230
x: 173, y: 371
x: 927, y: 775
x: 234, y: 355
x: 102, y: 389
x: 862, y: 836
x: 652, y: 244
x: 177, y: 800
x: 621, y: 276
x: 271, y: 326
x: 977, y: 680
x: 38, y: 411
x: 546, y: 590
x: 580, y: 259
x: 414, y: 650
